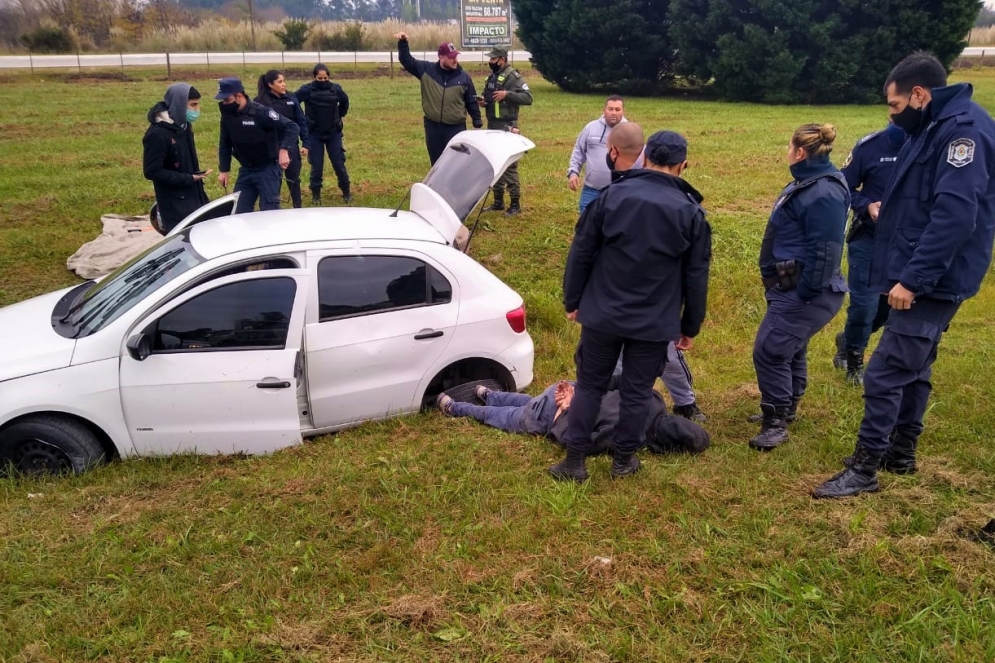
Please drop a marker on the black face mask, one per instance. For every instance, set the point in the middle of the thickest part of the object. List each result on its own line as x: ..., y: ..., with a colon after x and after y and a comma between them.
x: 609, y: 161
x: 495, y: 66
x: 322, y: 85
x: 228, y: 109
x: 910, y: 119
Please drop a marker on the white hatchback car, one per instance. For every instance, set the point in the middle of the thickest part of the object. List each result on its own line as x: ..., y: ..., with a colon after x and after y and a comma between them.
x: 245, y: 333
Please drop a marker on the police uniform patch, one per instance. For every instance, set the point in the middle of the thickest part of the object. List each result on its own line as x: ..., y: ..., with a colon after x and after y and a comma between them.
x: 849, y: 159
x: 525, y: 86
x: 273, y: 115
x: 961, y: 152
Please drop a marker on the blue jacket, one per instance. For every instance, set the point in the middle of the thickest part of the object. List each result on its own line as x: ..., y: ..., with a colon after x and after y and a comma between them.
x: 638, y: 265
x: 937, y: 220
x: 868, y: 171
x: 807, y: 226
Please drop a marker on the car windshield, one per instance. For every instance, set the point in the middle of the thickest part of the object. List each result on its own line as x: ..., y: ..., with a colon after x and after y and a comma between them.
x: 132, y: 282
x: 462, y: 176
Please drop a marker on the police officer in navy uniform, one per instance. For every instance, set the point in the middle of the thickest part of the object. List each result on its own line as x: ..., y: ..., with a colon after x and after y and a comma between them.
x: 261, y: 140
x: 634, y: 287
x: 800, y: 268
x: 325, y: 104
x: 504, y: 92
x: 932, y: 248
x: 272, y: 93
x: 868, y: 171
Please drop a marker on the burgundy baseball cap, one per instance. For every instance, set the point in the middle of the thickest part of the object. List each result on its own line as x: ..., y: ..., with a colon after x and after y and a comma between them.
x: 448, y: 50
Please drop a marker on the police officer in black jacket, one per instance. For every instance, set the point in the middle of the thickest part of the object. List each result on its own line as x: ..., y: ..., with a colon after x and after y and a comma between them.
x: 636, y: 279
x: 261, y: 140
x: 325, y: 104
x: 170, y: 155
x: 272, y: 93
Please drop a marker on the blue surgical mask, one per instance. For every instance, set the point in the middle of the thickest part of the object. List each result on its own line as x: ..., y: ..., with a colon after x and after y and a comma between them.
x: 192, y: 115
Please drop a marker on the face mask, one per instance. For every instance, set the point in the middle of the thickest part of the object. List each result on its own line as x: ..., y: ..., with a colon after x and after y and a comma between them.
x: 609, y: 161
x: 192, y: 115
x: 896, y: 135
x: 910, y: 119
x: 228, y: 109
x: 495, y: 67
x: 323, y: 85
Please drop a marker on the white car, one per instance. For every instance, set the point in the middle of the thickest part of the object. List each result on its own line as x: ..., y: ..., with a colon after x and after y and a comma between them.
x: 245, y: 333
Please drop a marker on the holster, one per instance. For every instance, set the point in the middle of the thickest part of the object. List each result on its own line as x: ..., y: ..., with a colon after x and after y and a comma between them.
x: 858, y: 225
x: 788, y: 273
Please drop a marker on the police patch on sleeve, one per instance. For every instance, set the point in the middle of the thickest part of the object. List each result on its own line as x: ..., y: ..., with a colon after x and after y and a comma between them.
x: 961, y: 152
x: 849, y: 160
x: 525, y: 86
x: 273, y: 115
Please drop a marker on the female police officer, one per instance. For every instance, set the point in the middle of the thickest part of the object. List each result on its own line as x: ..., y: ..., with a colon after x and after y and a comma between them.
x: 800, y: 267
x: 272, y: 93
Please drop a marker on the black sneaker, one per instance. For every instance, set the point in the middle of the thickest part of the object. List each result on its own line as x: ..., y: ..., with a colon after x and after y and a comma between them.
x: 513, y: 210
x: 690, y: 411
x: 346, y: 197
x: 494, y: 207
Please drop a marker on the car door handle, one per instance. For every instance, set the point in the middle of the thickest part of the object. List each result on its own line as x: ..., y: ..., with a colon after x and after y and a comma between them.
x: 273, y: 385
x: 428, y: 333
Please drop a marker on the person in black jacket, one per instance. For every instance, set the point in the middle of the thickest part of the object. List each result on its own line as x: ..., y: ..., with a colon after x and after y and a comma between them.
x: 272, y: 93
x: 261, y: 140
x: 325, y: 104
x: 170, y: 155
x: 447, y: 95
x: 548, y: 414
x: 800, y: 269
x: 636, y: 279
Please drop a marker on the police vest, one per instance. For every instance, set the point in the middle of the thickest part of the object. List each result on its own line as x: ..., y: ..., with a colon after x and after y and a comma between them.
x: 251, y: 143
x: 322, y: 111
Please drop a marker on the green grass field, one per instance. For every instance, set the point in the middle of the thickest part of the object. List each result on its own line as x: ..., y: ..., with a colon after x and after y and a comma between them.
x: 433, y: 539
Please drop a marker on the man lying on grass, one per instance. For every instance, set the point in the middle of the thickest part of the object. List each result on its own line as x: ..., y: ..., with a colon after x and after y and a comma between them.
x: 549, y: 413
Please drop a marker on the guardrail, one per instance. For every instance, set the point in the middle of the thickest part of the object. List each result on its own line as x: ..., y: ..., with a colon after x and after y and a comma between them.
x: 211, y: 59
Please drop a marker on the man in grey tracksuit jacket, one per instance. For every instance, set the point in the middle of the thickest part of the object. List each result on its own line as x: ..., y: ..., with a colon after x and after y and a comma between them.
x: 591, y: 149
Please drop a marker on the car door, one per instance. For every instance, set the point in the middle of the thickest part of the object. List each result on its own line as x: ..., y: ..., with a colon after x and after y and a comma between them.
x: 383, y: 320
x: 223, y: 206
x: 216, y: 370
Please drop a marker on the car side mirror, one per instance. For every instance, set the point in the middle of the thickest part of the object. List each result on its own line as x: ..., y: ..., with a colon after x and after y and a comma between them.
x: 139, y: 347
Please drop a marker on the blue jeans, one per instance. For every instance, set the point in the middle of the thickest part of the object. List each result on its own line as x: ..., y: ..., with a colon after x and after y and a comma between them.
x: 513, y: 412
x: 258, y: 183
x: 862, y: 317
x: 588, y: 196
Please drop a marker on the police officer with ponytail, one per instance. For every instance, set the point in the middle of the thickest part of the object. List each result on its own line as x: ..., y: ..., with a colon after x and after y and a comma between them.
x: 325, y: 104
x: 272, y: 93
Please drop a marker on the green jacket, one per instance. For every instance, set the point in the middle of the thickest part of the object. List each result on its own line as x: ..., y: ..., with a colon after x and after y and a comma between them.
x: 447, y: 96
x: 505, y: 113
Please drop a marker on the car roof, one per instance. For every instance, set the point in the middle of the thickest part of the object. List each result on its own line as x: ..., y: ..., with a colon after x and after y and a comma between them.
x: 241, y: 232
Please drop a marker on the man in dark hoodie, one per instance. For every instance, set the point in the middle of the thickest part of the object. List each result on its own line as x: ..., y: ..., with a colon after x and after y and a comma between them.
x: 634, y: 286
x: 447, y: 95
x: 548, y: 414
x: 170, y: 155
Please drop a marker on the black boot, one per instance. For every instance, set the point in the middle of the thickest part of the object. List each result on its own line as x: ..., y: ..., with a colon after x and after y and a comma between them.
x: 624, y: 464
x: 855, y: 367
x: 514, y: 208
x: 496, y: 206
x: 571, y: 468
x: 773, y: 428
x: 789, y: 417
x: 839, y: 359
x: 346, y: 196
x: 861, y: 476
x: 900, y: 458
x: 315, y: 196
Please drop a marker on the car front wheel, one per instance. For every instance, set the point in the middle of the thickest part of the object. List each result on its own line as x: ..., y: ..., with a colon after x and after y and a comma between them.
x: 49, y: 445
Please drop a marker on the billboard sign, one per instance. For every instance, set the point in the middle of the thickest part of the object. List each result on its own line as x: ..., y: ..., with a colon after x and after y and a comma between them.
x: 485, y: 23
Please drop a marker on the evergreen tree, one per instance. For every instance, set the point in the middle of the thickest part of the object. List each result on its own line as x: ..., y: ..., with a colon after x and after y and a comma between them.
x: 812, y: 51
x: 598, y: 45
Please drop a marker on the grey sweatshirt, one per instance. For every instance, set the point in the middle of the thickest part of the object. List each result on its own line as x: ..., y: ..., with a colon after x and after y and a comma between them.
x: 591, y: 148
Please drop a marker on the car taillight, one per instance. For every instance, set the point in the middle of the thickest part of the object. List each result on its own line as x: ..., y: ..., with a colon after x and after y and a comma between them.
x: 516, y: 319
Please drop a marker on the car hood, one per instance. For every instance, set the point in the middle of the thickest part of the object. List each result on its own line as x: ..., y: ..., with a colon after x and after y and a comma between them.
x: 471, y: 163
x: 28, y: 344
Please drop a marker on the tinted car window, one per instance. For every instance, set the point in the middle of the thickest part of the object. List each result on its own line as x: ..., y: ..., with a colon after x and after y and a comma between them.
x: 243, y: 315
x: 358, y: 285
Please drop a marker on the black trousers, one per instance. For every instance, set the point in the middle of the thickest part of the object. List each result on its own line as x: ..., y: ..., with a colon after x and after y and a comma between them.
x: 437, y: 136
x: 318, y: 144
x: 293, y: 177
x: 596, y: 357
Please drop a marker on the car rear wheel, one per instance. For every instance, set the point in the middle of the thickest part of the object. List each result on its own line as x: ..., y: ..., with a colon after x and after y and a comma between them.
x: 49, y: 445
x: 467, y: 392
